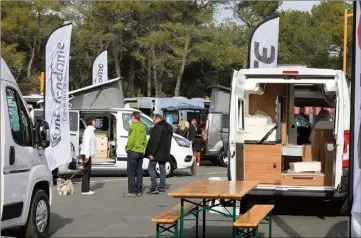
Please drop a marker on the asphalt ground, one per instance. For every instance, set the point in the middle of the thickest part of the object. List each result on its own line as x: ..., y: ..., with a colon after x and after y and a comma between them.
x: 108, y: 214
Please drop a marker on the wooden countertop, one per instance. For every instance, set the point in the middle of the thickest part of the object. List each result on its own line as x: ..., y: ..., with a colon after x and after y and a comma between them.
x: 214, y: 189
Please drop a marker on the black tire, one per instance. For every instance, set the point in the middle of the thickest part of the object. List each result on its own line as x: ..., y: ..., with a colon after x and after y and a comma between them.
x: 170, y: 171
x: 221, y: 159
x: 31, y: 230
x: 344, y: 208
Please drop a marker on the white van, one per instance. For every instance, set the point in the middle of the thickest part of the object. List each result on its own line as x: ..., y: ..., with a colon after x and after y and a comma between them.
x: 25, y: 178
x: 112, y: 132
x: 263, y: 143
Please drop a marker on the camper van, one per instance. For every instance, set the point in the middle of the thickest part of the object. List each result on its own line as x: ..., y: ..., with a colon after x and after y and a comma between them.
x: 25, y: 178
x: 263, y: 134
x: 216, y: 134
x: 111, y: 136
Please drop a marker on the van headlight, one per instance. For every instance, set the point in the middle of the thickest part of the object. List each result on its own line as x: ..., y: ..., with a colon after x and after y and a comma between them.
x: 182, y: 142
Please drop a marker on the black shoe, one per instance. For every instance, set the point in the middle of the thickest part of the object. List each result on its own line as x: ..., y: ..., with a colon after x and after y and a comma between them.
x: 161, y: 191
x: 153, y: 191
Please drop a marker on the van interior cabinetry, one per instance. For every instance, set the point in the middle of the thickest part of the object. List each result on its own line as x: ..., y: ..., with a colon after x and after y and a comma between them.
x: 281, y: 160
x: 101, y: 146
x: 263, y: 163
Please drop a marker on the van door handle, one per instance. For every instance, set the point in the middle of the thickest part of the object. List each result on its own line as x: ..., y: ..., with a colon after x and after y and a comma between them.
x: 12, y: 155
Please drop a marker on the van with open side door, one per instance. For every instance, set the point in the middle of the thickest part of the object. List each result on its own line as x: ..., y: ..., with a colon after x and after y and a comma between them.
x: 263, y: 143
x: 111, y: 137
x: 25, y: 178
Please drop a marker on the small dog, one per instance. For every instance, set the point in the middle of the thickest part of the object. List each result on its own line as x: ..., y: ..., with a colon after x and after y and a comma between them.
x: 65, y: 187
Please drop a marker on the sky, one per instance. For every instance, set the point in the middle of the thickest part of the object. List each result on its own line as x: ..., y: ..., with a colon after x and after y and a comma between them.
x: 223, y: 14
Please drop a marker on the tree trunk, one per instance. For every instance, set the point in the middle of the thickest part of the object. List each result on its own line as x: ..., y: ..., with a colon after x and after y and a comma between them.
x: 116, y: 62
x: 155, y: 77
x: 131, y: 79
x: 149, y: 76
x: 117, y: 69
x: 181, y: 71
x: 30, y: 65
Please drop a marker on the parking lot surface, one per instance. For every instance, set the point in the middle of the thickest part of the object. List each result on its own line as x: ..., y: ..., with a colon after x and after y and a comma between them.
x: 108, y: 214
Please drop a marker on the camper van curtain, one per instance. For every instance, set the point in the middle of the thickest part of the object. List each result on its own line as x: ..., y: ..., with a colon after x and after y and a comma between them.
x: 356, y: 124
x: 56, y: 96
x: 263, y: 45
x: 100, y: 68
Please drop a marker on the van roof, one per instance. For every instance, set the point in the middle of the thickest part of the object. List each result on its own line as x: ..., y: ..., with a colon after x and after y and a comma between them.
x: 5, y: 72
x: 283, y: 71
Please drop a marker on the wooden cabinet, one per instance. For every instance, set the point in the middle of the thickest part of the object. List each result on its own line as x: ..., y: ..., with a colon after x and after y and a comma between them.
x: 101, y: 146
x: 263, y: 163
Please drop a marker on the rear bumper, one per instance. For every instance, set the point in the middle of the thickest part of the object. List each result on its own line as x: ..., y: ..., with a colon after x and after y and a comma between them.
x: 332, y: 194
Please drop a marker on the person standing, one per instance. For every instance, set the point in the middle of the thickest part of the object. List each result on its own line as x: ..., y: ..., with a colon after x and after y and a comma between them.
x: 192, y: 130
x: 158, y: 151
x: 198, y: 144
x: 87, y: 151
x: 137, y: 141
x: 182, y: 130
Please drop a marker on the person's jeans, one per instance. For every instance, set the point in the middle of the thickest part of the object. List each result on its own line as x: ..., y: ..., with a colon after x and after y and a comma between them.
x: 153, y: 175
x: 135, y: 172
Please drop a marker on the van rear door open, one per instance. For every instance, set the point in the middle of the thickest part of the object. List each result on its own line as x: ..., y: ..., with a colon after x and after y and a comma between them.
x: 313, y: 166
x: 236, y: 128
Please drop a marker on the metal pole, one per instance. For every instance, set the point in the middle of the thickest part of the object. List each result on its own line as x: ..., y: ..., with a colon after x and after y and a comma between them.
x: 345, y: 41
x: 346, y: 16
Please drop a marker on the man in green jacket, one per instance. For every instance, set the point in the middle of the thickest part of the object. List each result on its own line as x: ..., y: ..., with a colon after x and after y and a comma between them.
x: 137, y: 142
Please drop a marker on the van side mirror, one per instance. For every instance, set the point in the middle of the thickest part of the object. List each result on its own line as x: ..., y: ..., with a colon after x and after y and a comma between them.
x: 42, y: 133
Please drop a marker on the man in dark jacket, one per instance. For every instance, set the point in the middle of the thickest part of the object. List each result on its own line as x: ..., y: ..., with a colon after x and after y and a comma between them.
x: 158, y: 151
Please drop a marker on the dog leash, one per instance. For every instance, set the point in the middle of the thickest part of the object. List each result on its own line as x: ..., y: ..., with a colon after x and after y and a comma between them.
x: 74, y: 173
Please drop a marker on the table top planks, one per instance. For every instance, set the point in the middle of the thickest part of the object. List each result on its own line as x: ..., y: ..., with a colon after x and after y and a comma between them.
x: 214, y: 189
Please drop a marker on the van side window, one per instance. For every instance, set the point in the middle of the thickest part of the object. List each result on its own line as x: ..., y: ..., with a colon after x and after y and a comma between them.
x: 20, y: 123
x: 240, y: 114
x: 126, y: 122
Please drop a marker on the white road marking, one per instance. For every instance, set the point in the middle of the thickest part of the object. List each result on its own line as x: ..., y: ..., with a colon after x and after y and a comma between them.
x: 122, y: 179
x: 108, y: 180
x: 210, y: 173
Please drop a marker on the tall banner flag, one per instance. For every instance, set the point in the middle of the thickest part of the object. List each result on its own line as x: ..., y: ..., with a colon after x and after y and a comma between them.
x: 56, y: 96
x: 356, y: 125
x: 100, y: 68
x: 263, y: 45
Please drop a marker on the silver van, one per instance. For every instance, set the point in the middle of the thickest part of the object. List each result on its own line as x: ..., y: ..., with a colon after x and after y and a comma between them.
x: 216, y: 128
x: 25, y: 178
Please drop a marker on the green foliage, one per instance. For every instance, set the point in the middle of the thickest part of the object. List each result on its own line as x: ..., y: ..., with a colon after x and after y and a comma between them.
x: 164, y: 48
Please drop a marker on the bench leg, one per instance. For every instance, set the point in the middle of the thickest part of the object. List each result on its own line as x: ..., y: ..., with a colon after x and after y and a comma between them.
x: 175, y: 234
x: 270, y: 225
x: 197, y: 222
x: 204, y: 218
x: 255, y: 232
x: 157, y: 232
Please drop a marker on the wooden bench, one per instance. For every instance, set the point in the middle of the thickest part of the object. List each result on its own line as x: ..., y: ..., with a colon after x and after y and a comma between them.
x: 168, y: 220
x: 251, y: 219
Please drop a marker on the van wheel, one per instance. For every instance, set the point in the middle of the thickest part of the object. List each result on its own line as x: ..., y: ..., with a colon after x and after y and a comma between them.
x: 222, y: 159
x: 39, y: 216
x: 344, y: 208
x: 169, y: 168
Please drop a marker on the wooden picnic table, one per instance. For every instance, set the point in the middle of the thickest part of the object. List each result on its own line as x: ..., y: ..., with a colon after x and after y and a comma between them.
x: 209, y: 190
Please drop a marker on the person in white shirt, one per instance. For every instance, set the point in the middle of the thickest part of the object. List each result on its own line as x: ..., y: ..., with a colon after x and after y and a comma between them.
x: 87, y: 152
